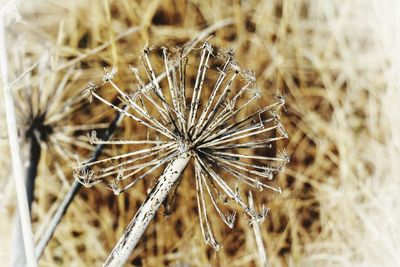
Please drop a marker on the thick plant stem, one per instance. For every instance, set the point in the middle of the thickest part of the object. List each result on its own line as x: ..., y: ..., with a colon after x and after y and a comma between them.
x: 146, y: 212
x: 262, y: 255
x: 31, y: 173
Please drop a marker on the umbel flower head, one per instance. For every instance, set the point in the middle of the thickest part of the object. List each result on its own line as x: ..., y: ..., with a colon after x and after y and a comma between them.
x: 212, y: 120
x: 46, y: 104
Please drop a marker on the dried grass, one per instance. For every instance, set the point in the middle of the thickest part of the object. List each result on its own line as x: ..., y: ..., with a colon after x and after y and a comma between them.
x: 337, y: 63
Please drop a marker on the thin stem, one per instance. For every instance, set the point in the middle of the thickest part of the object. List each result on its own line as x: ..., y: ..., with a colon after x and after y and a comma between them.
x: 23, y: 207
x: 221, y: 77
x: 133, y: 117
x: 156, y: 166
x: 138, y: 109
x: 233, y: 137
x: 146, y: 212
x: 206, y: 230
x: 228, y: 191
x: 262, y: 255
x: 55, y: 220
x: 205, y: 55
x: 73, y: 191
x: 18, y: 258
x: 228, y: 219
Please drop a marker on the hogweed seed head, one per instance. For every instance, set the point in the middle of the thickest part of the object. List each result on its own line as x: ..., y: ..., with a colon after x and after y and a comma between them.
x: 222, y: 134
x: 46, y: 108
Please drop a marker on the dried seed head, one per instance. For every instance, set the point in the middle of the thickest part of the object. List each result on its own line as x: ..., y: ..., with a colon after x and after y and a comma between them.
x: 249, y: 75
x: 220, y: 133
x: 46, y: 110
x: 226, y: 54
x: 114, y: 186
x: 93, y: 139
x: 109, y: 74
x: 88, y: 92
x: 85, y: 176
x: 283, y: 155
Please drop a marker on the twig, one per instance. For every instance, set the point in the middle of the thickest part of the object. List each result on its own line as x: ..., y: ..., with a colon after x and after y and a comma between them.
x: 55, y: 220
x: 262, y: 255
x: 23, y: 207
x: 73, y: 191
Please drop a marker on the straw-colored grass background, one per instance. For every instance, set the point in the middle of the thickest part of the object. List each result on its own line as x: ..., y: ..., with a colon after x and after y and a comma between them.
x: 337, y: 63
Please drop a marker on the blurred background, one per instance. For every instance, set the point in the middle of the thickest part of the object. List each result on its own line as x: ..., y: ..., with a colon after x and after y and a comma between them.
x: 336, y: 62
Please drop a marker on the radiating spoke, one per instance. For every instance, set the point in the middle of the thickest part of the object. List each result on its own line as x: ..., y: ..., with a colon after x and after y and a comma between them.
x: 203, y: 217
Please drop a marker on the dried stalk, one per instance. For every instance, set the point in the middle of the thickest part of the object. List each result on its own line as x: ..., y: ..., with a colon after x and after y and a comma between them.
x: 73, y: 191
x: 23, y: 207
x: 31, y: 173
x: 18, y: 258
x: 262, y: 254
x: 147, y: 210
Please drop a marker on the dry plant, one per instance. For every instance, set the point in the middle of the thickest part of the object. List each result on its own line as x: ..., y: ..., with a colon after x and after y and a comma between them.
x: 336, y: 63
x: 218, y: 137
